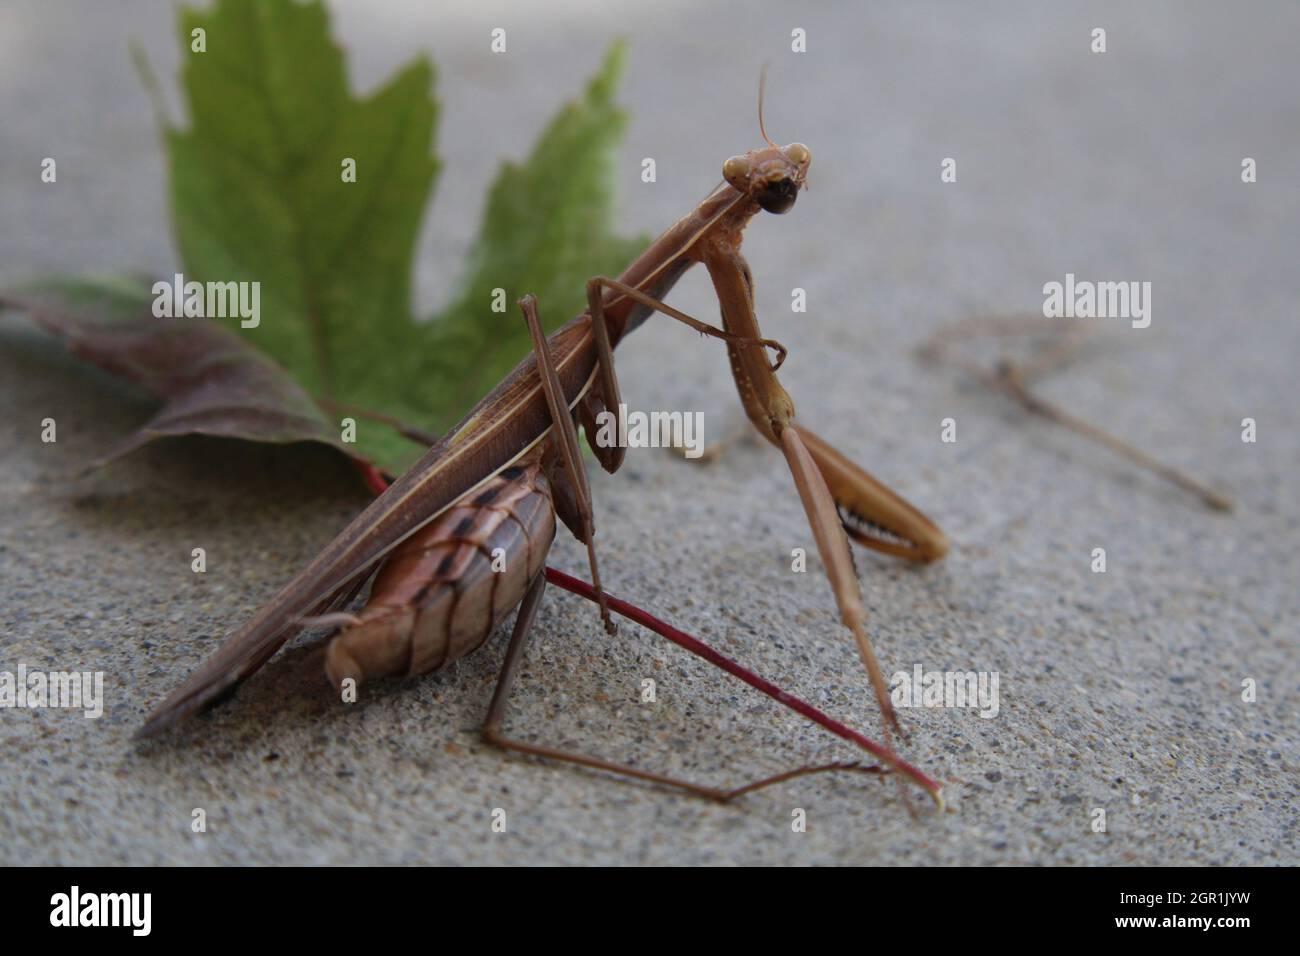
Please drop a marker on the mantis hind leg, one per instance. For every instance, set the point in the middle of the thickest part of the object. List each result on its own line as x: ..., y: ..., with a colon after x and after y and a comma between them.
x: 493, y: 734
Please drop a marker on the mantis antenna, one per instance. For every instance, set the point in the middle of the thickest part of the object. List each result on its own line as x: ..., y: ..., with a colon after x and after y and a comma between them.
x: 762, y: 89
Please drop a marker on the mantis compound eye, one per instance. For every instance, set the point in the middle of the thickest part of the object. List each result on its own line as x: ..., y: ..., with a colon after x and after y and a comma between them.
x: 736, y: 172
x: 799, y: 154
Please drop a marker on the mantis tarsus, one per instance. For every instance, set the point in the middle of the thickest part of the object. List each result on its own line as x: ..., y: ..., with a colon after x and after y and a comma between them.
x: 500, y: 477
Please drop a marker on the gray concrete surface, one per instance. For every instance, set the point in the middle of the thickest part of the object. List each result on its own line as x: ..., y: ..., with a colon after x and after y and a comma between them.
x: 1119, y: 691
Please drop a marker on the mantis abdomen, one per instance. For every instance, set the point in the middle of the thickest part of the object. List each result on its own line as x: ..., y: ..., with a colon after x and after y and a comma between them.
x: 442, y: 591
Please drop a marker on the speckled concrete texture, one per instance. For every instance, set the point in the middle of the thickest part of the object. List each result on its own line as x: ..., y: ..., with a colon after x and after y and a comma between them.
x: 1120, y: 691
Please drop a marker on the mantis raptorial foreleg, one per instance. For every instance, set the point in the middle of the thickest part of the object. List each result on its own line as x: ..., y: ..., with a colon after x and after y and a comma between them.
x: 772, y: 411
x: 872, y: 514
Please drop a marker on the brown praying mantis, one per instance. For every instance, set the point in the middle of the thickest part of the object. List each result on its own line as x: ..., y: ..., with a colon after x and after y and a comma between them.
x: 495, y: 483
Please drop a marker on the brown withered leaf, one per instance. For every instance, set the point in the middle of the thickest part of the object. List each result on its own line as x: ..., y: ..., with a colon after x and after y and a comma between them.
x: 211, y: 381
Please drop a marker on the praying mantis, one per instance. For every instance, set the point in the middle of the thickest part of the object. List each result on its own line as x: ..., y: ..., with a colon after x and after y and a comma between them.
x: 496, y: 482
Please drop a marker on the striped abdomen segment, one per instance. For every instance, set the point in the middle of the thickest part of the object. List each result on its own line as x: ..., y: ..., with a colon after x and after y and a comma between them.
x: 436, y: 598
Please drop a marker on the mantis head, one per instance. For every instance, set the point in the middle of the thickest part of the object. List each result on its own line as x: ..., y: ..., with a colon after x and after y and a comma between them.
x: 771, y: 176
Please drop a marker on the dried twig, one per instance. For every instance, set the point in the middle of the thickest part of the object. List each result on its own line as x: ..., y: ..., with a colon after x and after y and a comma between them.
x: 1012, y: 378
